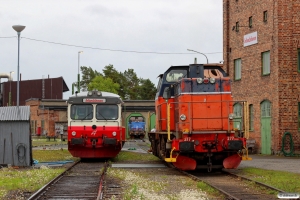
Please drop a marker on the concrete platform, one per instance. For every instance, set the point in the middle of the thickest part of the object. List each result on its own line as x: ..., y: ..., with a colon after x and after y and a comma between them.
x: 279, y: 163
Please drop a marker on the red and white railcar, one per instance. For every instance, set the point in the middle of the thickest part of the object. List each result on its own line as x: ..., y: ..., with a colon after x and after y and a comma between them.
x: 95, y: 125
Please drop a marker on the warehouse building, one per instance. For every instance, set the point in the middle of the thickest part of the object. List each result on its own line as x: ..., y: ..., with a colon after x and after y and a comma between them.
x: 261, y: 48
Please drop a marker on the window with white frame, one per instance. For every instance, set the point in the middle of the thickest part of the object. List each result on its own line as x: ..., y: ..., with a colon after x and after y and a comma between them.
x: 237, y: 69
x: 265, y: 60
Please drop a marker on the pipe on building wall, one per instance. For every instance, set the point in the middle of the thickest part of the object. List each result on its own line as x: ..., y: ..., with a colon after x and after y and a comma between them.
x: 5, y: 75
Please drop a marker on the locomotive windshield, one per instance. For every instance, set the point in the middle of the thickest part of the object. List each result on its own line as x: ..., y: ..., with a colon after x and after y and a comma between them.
x: 82, y: 112
x: 175, y: 75
x: 107, y: 112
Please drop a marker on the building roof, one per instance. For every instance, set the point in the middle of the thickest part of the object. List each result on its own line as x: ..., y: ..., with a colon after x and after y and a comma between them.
x: 14, y: 113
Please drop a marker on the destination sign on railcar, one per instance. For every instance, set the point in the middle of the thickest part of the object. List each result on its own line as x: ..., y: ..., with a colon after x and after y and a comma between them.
x: 94, y: 100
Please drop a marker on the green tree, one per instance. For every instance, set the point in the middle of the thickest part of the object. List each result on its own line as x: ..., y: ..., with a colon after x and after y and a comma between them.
x: 88, y: 74
x: 131, y: 84
x: 103, y: 84
x: 147, y: 90
x: 110, y: 72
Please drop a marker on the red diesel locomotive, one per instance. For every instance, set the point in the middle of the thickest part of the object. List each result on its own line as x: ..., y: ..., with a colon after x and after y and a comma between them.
x: 95, y: 125
x: 196, y: 125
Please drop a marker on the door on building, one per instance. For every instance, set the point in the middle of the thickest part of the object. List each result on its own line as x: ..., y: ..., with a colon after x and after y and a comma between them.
x: 237, y: 119
x: 265, y: 110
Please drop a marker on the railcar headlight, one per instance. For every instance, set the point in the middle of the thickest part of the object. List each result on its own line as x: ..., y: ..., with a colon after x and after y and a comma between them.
x: 231, y: 115
x: 90, y: 93
x: 212, y: 80
x: 199, y: 80
x: 114, y: 133
x: 73, y: 133
x: 182, y: 117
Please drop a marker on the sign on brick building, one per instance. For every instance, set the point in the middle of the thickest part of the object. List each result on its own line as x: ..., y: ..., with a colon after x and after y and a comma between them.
x: 250, y: 39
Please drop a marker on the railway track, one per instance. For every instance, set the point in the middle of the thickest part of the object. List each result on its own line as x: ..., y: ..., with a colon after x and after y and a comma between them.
x: 83, y: 180
x: 236, y: 187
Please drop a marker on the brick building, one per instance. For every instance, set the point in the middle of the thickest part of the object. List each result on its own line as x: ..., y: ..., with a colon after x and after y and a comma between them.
x: 48, y: 117
x: 262, y: 56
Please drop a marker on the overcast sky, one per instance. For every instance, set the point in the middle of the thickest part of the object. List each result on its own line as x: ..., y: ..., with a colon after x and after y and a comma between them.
x: 162, y: 26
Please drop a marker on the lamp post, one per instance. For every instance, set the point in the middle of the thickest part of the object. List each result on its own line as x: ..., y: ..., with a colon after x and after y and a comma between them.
x: 78, y: 76
x: 200, y: 53
x: 9, y: 102
x: 19, y: 29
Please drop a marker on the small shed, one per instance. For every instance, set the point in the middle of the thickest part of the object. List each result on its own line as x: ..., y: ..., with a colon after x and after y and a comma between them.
x: 15, y: 137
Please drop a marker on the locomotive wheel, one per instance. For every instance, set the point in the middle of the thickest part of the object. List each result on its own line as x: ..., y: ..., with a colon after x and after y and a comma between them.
x: 158, y: 149
x: 153, y: 146
x: 162, y: 146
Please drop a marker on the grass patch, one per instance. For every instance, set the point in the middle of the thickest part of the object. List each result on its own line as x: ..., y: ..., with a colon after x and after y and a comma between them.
x: 133, y: 156
x: 286, y: 181
x: 46, y: 142
x: 52, y: 155
x: 25, y: 180
x: 208, y: 189
x: 30, y: 180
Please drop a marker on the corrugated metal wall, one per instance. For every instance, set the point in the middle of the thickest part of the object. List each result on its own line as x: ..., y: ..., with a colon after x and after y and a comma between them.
x: 15, y: 137
x: 15, y: 143
x: 53, y: 89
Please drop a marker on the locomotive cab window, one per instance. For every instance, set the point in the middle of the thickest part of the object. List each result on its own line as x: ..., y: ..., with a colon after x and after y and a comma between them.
x: 107, y: 112
x: 212, y: 73
x: 175, y: 75
x: 82, y: 112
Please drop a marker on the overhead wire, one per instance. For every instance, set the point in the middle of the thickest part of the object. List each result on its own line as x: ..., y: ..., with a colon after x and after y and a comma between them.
x: 107, y: 49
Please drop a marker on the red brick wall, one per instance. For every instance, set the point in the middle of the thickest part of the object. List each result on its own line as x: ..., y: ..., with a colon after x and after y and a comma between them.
x: 289, y: 77
x: 281, y: 35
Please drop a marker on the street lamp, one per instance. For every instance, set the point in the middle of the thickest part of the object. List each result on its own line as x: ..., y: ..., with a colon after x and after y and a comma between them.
x: 19, y: 29
x: 78, y: 76
x: 9, y: 102
x: 200, y: 53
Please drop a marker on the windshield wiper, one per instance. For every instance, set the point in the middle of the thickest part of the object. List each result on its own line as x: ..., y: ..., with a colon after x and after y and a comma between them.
x: 101, y: 115
x: 87, y: 115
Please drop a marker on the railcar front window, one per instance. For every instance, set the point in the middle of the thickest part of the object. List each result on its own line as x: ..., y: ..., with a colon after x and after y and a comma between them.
x: 175, y: 75
x: 82, y: 112
x: 107, y: 112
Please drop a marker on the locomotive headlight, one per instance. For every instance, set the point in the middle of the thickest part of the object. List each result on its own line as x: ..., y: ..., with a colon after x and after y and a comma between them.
x: 212, y: 80
x: 99, y: 93
x: 199, y: 80
x: 182, y: 117
x: 90, y: 93
x: 231, y: 115
x: 73, y: 133
x: 114, y: 133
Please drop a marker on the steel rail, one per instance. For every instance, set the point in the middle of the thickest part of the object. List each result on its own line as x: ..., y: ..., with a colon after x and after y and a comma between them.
x: 102, y: 177
x: 256, y: 182
x: 42, y: 190
x: 228, y: 195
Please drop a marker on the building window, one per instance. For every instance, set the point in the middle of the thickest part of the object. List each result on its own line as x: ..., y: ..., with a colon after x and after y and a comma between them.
x: 237, y: 25
x: 251, y: 118
x: 250, y: 22
x: 265, y: 59
x: 237, y: 69
x: 265, y: 16
x: 298, y: 52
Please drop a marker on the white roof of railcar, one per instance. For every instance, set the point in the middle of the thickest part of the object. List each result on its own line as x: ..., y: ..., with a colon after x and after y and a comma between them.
x: 104, y: 94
